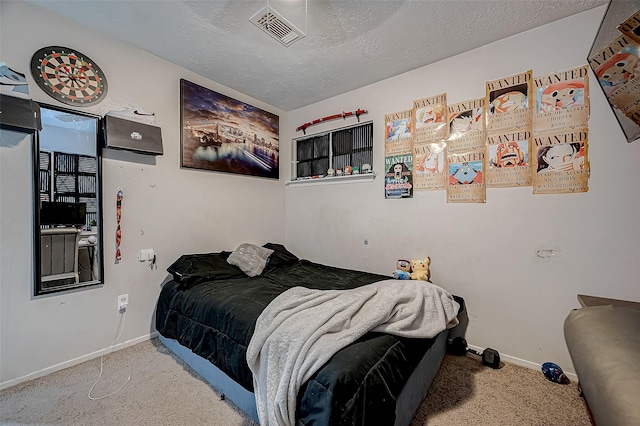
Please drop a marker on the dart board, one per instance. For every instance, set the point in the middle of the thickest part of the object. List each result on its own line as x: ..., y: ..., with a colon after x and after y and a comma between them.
x: 68, y: 76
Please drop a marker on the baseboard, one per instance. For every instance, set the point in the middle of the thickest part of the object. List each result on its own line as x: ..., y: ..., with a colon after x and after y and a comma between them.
x: 76, y: 361
x: 41, y: 373
x: 524, y: 363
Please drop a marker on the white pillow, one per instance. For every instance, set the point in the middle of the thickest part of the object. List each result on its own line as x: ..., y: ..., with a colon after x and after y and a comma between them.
x: 250, y: 258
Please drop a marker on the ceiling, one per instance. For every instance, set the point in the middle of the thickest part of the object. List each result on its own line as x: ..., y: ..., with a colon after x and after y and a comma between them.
x: 348, y: 44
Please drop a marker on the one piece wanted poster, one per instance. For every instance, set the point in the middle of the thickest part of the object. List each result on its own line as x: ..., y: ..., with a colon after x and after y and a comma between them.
x: 398, y: 180
x: 429, y: 165
x: 466, y: 123
x: 466, y: 176
x: 398, y: 133
x: 430, y: 119
x: 631, y: 27
x: 562, y: 100
x: 561, y: 162
x: 508, y: 159
x: 627, y: 98
x: 466, y: 163
x: 509, y: 102
x: 616, y: 64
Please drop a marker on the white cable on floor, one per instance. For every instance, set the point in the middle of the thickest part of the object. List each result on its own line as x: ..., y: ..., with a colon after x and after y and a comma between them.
x: 122, y: 318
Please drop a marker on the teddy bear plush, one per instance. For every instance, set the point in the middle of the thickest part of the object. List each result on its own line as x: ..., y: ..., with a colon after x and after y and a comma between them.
x: 420, y: 269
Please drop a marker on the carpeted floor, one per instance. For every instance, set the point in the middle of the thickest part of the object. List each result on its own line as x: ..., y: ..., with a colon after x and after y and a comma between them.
x: 165, y: 391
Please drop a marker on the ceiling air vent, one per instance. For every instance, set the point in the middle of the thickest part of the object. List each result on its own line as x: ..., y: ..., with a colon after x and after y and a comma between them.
x: 272, y: 23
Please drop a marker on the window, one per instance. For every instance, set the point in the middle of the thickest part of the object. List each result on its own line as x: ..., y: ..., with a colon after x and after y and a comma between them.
x: 45, y: 176
x: 349, y: 146
x: 75, y: 181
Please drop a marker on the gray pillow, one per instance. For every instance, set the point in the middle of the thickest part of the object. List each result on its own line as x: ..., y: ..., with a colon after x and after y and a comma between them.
x: 251, y: 258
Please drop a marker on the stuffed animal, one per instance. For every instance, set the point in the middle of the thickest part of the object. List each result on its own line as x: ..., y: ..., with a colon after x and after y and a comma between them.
x: 401, y: 275
x: 420, y: 269
x: 403, y: 270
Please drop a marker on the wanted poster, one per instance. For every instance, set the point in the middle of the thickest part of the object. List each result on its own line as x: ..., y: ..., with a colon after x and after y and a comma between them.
x: 398, y: 179
x: 430, y: 119
x: 627, y: 98
x: 616, y: 64
x: 466, y: 163
x: 508, y: 161
x: 509, y: 102
x: 631, y: 27
x: 398, y: 133
x: 429, y: 165
x: 560, y: 162
x: 635, y: 116
x: 466, y: 124
x: 562, y: 100
x: 466, y: 182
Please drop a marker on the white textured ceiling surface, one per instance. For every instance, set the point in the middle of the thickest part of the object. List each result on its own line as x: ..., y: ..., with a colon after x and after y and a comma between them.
x: 348, y: 44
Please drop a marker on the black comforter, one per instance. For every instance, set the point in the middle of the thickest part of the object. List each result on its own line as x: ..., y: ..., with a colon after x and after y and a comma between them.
x: 211, y: 307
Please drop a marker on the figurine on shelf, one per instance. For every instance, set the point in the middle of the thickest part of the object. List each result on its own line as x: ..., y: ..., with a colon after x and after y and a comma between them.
x: 366, y: 168
x: 330, y: 172
x: 347, y: 170
x: 356, y: 170
x: 339, y: 172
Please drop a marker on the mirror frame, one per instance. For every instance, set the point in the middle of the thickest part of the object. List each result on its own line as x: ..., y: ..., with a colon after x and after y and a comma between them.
x: 617, y: 12
x: 37, y: 252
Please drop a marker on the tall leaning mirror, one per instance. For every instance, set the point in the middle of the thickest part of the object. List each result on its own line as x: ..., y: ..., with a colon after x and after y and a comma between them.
x: 67, y: 190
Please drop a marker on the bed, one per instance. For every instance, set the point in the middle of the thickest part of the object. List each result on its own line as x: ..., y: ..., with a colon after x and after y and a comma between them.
x: 207, y: 316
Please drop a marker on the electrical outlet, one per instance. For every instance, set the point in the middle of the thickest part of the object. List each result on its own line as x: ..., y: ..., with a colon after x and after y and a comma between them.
x: 123, y: 302
x: 145, y: 255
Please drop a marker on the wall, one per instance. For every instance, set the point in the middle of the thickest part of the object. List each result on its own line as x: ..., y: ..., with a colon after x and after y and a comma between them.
x: 172, y: 210
x: 486, y: 252
x: 517, y: 302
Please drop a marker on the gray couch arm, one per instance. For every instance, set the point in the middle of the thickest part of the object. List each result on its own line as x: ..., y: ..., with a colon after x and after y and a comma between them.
x: 604, y: 344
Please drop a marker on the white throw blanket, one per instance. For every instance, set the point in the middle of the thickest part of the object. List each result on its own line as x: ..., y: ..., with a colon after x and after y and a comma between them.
x: 301, y: 329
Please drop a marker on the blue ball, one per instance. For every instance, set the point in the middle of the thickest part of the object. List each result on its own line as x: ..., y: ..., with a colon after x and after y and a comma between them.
x: 554, y: 373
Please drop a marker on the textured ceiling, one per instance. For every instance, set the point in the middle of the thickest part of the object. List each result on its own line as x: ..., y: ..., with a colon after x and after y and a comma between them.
x: 349, y: 44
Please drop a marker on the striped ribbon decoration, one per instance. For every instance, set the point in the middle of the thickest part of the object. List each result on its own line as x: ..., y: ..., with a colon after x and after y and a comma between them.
x: 118, y: 230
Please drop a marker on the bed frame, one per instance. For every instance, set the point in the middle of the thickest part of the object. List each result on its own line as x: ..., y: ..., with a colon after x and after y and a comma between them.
x: 190, y: 270
x: 407, y: 404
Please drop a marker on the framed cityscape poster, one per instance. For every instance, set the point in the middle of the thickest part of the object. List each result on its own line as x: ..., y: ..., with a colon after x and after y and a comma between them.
x: 222, y: 134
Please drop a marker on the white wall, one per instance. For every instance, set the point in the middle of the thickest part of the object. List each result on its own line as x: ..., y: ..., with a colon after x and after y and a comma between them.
x: 172, y: 210
x: 517, y: 302
x: 485, y: 253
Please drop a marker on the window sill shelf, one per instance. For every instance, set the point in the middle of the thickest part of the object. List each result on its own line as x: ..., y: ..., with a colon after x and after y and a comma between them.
x: 328, y: 180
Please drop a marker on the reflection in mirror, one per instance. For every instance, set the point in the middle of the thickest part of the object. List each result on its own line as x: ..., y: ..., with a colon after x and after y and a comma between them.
x: 613, y: 43
x: 68, y: 246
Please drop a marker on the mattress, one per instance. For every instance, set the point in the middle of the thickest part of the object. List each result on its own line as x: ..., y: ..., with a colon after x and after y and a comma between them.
x: 212, y: 309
